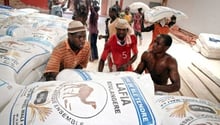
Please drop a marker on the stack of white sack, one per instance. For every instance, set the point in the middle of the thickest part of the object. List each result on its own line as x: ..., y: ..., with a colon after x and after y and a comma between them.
x: 208, y: 45
x: 182, y: 110
x: 107, y: 100
x: 160, y: 12
x: 46, y: 31
x: 26, y: 43
x: 19, y: 65
x: 11, y: 12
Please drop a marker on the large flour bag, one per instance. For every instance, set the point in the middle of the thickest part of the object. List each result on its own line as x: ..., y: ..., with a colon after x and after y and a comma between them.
x: 7, y: 90
x: 18, y: 59
x: 105, y: 102
x: 78, y: 75
x: 182, y: 110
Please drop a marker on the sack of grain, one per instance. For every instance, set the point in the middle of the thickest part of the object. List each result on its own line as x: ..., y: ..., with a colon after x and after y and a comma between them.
x: 78, y: 75
x: 35, y: 75
x: 182, y: 110
x: 7, y: 90
x: 18, y: 59
x: 159, y: 12
x: 120, y: 101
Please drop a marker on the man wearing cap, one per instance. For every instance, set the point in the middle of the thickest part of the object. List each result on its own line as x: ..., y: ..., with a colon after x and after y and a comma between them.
x: 71, y: 53
x: 120, y: 47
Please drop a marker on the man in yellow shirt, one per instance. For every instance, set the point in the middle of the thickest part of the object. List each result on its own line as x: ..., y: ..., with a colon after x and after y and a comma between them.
x: 127, y: 15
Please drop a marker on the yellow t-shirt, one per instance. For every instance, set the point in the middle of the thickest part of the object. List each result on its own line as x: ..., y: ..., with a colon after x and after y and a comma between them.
x: 128, y: 18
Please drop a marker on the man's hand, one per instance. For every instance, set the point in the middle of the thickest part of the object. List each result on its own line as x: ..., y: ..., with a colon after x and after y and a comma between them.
x: 100, y: 36
x: 122, y: 67
x: 50, y: 76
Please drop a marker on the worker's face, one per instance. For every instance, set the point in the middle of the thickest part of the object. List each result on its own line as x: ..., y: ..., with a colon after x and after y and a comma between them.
x: 121, y: 33
x: 127, y: 10
x: 77, y: 40
x: 159, y: 45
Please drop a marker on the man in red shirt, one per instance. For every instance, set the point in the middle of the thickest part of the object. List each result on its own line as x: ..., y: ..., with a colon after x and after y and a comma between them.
x: 120, y: 47
x: 163, y: 27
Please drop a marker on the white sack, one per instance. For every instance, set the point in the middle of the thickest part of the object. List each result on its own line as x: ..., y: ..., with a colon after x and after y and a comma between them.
x: 210, y: 45
x: 7, y: 90
x: 29, y: 10
x: 156, y: 14
x: 34, y: 75
x: 212, y: 54
x: 17, y: 59
x: 46, y: 37
x: 182, y: 110
x: 210, y: 41
x: 105, y: 102
x: 159, y: 12
x: 136, y: 5
x: 77, y: 75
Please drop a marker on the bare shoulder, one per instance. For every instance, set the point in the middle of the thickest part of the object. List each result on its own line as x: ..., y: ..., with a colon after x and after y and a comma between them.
x: 146, y: 55
x: 171, y: 60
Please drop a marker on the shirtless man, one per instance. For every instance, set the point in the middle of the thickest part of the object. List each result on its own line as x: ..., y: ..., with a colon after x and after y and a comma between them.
x: 161, y: 65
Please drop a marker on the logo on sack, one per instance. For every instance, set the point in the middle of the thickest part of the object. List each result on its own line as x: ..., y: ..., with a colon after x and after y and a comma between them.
x: 80, y: 100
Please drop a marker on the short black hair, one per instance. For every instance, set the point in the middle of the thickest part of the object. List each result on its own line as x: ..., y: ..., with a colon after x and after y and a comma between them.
x: 167, y: 39
x: 114, y: 9
x: 140, y: 9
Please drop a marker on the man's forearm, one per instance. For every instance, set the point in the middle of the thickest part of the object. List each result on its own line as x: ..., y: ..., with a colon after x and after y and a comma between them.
x: 166, y: 88
x: 101, y: 65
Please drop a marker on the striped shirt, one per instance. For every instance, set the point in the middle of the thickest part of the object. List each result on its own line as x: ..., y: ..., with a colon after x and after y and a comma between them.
x: 63, y: 57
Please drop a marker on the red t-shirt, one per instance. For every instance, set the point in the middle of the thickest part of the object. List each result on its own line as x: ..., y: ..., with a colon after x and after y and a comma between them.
x: 120, y: 54
x: 158, y: 29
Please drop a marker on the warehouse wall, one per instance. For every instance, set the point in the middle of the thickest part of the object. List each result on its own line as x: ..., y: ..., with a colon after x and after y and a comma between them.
x: 203, y: 15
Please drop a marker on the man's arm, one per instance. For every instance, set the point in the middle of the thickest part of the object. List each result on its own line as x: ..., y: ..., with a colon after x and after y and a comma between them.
x: 125, y: 66
x: 141, y: 66
x: 101, y: 65
x: 174, y: 78
x: 148, y: 29
x: 53, y: 65
x: 104, y: 56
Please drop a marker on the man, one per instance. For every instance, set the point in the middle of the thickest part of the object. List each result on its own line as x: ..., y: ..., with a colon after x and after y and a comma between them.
x: 161, y: 27
x: 71, y: 53
x: 110, y: 23
x: 93, y: 31
x: 120, y: 46
x: 117, y: 6
x: 138, y: 20
x: 127, y: 15
x: 56, y: 8
x: 161, y: 65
